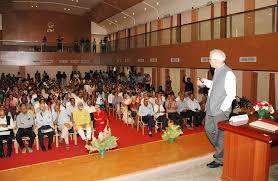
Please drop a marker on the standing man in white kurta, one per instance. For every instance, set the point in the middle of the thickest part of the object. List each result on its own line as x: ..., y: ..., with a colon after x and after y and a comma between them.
x: 222, y: 92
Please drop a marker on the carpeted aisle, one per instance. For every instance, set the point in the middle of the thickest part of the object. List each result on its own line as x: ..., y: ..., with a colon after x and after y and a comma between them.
x: 127, y: 135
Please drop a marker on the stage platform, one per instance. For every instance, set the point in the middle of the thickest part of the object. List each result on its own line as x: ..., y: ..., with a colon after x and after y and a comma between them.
x: 115, y: 162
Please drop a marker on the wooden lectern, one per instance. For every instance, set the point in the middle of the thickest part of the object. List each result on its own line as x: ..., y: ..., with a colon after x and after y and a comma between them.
x: 248, y: 152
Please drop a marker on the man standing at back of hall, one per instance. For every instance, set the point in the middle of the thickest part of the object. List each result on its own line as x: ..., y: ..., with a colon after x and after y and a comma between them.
x: 222, y: 92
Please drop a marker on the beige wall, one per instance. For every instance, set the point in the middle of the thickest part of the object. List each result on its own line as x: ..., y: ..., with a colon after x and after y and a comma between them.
x: 9, y: 69
x: 239, y: 75
x: 84, y: 69
x: 263, y: 86
x: 263, y: 3
x: 174, y: 74
x: 51, y: 70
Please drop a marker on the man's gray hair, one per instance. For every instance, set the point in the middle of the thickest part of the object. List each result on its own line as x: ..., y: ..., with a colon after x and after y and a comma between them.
x: 218, y: 55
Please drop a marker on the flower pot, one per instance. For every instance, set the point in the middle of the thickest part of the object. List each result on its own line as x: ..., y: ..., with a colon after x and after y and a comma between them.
x: 171, y: 140
x: 102, y: 152
x: 262, y: 114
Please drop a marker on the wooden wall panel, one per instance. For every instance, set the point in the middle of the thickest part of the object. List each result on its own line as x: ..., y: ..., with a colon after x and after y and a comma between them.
x: 262, y: 46
x: 33, y: 25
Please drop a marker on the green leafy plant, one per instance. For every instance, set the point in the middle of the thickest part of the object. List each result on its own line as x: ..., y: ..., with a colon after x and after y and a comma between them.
x: 104, y: 142
x: 172, y: 131
x: 244, y: 103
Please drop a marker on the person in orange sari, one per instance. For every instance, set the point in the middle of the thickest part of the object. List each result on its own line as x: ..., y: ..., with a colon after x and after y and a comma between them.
x: 100, y: 120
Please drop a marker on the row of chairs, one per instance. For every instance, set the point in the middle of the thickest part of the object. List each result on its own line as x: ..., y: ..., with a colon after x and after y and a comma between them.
x: 57, y: 134
x: 140, y: 123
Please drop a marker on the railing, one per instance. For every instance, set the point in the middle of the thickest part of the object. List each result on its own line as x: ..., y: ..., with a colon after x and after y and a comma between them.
x: 35, y: 46
x: 263, y: 20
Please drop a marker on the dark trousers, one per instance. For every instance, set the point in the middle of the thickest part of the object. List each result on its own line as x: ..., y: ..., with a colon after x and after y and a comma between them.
x: 198, y: 116
x: 22, y: 132
x: 9, y: 139
x: 187, y: 114
x: 50, y: 135
x: 164, y: 121
x: 148, y: 120
x: 174, y: 116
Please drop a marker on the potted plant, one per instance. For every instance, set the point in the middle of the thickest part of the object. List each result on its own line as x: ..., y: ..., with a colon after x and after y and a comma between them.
x: 244, y: 104
x: 263, y: 108
x: 172, y: 131
x: 104, y: 142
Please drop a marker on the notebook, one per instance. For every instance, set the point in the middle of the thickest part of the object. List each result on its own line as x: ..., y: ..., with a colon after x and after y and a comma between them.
x: 265, y: 125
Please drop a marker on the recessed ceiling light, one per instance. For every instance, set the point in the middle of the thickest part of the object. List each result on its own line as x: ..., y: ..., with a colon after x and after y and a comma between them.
x: 133, y: 13
x: 37, y: 6
x: 145, y: 9
x: 157, y: 3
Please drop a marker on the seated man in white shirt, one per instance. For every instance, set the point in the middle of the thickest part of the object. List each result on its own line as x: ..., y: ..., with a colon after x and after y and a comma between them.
x: 62, y: 119
x: 25, y: 123
x: 195, y: 109
x: 147, y: 113
x: 6, y: 132
x: 185, y: 114
x: 110, y: 99
x: 45, y: 126
x: 91, y: 109
x: 160, y: 115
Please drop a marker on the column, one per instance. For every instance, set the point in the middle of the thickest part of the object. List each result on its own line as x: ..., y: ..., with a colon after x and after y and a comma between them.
x: 223, y: 21
x: 194, y: 28
x: 249, y: 18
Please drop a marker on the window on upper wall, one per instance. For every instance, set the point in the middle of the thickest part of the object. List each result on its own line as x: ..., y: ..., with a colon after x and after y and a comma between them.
x: 216, y: 29
x: 165, y: 37
x: 237, y: 25
x: 205, y: 30
x: 186, y: 33
x: 264, y: 21
x: 154, y: 38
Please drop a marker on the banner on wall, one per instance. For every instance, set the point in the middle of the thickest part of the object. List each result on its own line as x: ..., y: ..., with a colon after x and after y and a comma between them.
x: 204, y: 59
x: 175, y: 60
x: 247, y: 59
x: 153, y: 60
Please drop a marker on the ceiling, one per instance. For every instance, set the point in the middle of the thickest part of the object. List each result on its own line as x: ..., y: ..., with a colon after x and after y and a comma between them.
x: 96, y: 10
x: 149, y: 10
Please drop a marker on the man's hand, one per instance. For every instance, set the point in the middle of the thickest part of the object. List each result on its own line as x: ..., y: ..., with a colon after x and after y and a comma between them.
x: 67, y: 125
x: 200, y: 82
x: 3, y: 125
x: 84, y: 126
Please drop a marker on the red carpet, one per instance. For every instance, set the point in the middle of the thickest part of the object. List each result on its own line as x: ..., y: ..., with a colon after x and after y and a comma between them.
x: 127, y: 135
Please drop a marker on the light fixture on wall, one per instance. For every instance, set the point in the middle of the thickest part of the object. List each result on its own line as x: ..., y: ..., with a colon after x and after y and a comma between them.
x: 145, y: 9
x: 157, y: 3
x: 133, y: 13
